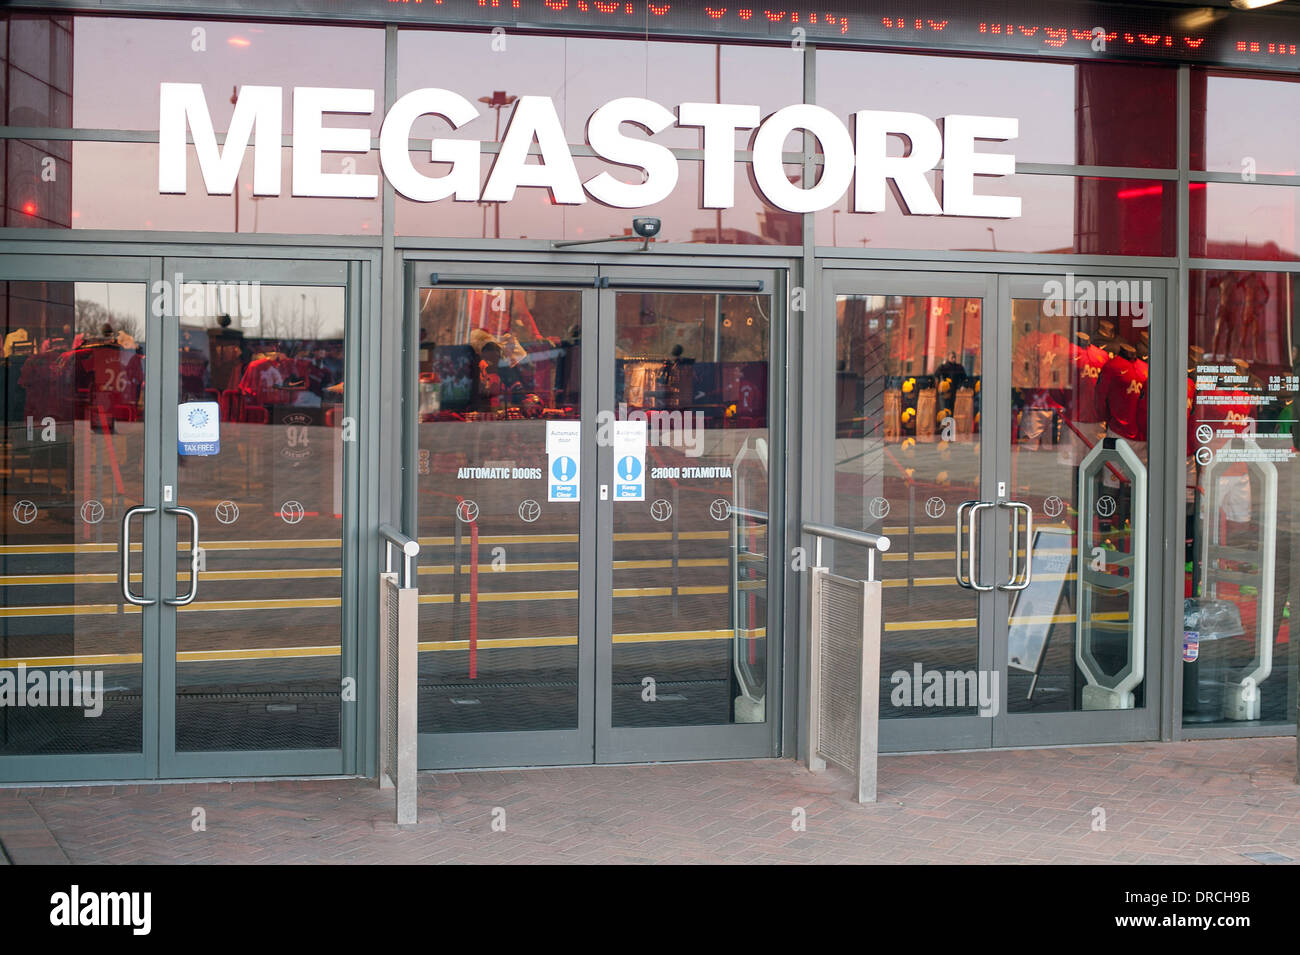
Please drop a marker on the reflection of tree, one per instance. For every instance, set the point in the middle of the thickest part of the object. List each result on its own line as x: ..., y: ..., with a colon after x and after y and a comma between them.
x: 91, y: 317
x: 286, y: 320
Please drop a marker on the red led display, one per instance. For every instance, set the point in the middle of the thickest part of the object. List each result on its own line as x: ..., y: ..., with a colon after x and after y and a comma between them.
x: 1095, y: 30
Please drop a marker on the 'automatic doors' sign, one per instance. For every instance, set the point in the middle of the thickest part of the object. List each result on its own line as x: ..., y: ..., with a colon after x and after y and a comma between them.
x: 860, y: 159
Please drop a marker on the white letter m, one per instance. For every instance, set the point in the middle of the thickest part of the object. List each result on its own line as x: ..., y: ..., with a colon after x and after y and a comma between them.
x: 259, y: 108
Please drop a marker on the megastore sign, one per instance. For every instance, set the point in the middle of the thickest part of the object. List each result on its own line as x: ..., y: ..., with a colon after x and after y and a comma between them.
x: 620, y: 132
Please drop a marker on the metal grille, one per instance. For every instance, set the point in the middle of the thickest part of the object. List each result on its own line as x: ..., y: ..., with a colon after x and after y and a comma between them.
x: 840, y: 606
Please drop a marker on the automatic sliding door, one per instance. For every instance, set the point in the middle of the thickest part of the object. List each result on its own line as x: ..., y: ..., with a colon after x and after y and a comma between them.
x: 685, y: 656
x: 502, y: 485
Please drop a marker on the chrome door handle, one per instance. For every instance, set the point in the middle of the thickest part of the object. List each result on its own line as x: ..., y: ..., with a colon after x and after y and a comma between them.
x: 1012, y: 584
x: 124, y: 551
x: 194, y: 557
x: 976, y: 507
x: 961, y: 509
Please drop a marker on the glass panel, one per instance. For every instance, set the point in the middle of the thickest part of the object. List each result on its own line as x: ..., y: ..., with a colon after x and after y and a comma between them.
x: 1079, y: 386
x: 38, y: 72
x: 689, y: 614
x: 260, y: 460
x: 1238, y: 221
x: 500, y: 387
x: 115, y: 186
x: 532, y: 215
x: 120, y: 62
x: 1061, y: 214
x: 72, y: 462
x: 1245, y: 124
x: 582, y: 73
x: 907, y: 453
x: 1240, y: 656
x: 1084, y: 113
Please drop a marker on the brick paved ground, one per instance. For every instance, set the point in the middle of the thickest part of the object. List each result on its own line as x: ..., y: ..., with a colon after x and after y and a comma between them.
x: 1200, y: 802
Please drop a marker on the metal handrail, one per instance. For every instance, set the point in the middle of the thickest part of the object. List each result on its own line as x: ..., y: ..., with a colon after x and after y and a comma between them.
x: 873, y: 542
x: 409, y: 547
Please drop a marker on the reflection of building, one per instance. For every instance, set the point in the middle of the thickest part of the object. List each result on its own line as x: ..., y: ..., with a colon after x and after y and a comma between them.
x: 36, y: 63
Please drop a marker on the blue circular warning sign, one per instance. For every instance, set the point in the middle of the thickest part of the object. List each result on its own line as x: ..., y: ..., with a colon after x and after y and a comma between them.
x: 564, y: 469
x: 629, y: 468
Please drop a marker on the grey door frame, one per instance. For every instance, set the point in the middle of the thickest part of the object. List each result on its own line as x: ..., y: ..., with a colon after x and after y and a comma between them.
x: 594, y: 740
x: 618, y: 744
x: 996, y: 285
x: 523, y: 747
x: 305, y: 762
x: 1091, y: 726
x: 148, y: 263
x: 23, y: 266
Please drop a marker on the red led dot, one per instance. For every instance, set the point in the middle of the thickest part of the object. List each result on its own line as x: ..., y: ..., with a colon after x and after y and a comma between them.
x: 29, y: 208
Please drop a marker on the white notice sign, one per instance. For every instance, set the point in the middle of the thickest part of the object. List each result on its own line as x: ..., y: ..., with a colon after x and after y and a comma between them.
x: 629, y: 460
x: 563, y: 458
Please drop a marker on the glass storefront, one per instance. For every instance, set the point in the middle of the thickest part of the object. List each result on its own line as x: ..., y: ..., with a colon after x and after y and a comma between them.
x: 1003, y: 397
x: 1240, y: 661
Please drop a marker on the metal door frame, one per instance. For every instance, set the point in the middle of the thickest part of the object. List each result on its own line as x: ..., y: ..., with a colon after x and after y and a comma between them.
x: 594, y: 740
x: 904, y: 734
x: 516, y: 747
x: 996, y: 286
x: 620, y: 744
x: 25, y: 266
x: 1093, y: 726
x: 172, y: 764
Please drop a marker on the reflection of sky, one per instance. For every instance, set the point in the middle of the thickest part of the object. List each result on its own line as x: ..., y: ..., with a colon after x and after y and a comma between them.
x: 1252, y: 119
x: 119, y: 62
x: 291, y: 311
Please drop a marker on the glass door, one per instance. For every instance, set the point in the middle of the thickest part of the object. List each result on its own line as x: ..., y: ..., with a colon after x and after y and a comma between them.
x: 257, y: 433
x: 591, y: 492
x: 687, y: 666
x: 78, y: 657
x: 1077, y: 636
x: 503, y: 382
x: 999, y: 432
x: 913, y: 456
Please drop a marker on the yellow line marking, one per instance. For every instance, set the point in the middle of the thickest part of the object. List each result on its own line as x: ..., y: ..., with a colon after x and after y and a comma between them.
x: 69, y: 610
x: 571, y: 538
x: 292, y: 604
x: 513, y: 595
x: 945, y: 581
x: 183, y: 656
x: 283, y: 653
x: 51, y: 549
x: 511, y: 643
x: 268, y: 653
x: 545, y: 567
x: 970, y: 622
x: 313, y: 573
x: 86, y: 660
